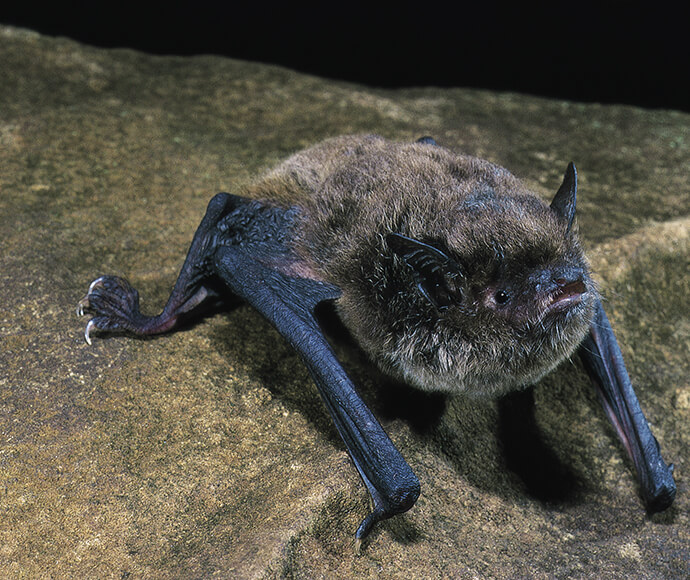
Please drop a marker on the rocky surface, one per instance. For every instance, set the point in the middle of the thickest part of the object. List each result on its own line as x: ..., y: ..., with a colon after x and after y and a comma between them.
x: 207, y: 453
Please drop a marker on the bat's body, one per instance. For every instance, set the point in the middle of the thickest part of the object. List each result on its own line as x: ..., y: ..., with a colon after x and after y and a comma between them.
x: 353, y: 192
x: 445, y: 268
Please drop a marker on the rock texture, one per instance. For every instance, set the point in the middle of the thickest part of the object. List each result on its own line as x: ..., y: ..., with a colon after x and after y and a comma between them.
x: 207, y: 453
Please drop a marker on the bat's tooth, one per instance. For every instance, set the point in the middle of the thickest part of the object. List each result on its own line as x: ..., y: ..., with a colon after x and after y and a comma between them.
x: 569, y: 292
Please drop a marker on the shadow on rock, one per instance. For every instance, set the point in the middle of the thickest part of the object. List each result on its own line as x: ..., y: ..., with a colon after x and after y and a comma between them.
x: 544, y: 475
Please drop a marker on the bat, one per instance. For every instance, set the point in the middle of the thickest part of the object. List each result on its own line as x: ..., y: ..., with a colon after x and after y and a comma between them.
x: 446, y: 269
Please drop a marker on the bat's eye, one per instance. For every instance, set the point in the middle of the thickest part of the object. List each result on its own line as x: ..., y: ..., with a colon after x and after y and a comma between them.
x: 502, y: 297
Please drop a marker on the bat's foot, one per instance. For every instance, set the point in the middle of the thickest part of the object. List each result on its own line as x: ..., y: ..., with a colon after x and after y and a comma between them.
x: 115, y: 305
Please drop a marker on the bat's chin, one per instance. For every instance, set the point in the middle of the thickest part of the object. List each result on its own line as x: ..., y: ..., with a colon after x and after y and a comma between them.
x: 566, y: 295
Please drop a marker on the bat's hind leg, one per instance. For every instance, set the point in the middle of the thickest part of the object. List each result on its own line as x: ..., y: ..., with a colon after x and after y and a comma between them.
x: 114, y: 303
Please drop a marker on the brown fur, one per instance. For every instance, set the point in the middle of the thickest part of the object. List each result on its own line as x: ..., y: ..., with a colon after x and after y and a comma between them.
x: 353, y: 191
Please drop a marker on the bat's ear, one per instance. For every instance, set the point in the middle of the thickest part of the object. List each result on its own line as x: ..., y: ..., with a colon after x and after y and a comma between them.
x: 434, y: 271
x: 563, y: 203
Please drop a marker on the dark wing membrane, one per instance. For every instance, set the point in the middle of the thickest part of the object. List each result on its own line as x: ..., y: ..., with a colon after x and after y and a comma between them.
x: 288, y: 303
x: 604, y: 361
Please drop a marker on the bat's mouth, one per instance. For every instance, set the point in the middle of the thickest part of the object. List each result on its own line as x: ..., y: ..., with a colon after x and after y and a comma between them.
x: 567, y: 294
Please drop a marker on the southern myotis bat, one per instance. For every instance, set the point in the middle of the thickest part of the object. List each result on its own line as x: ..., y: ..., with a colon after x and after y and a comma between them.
x: 445, y: 268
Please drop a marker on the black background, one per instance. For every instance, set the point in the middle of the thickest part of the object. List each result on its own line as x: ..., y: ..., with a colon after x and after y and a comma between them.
x: 609, y: 52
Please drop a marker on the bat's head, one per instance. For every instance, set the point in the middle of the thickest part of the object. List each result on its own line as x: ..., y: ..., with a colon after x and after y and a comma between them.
x: 499, y: 301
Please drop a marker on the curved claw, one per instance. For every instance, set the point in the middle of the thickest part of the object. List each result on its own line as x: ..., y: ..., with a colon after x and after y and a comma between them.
x: 87, y: 332
x: 114, y: 304
x: 83, y: 306
x: 97, y: 282
x: 84, y: 303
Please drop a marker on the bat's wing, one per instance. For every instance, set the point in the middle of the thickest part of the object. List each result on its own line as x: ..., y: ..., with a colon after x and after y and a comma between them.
x: 604, y: 361
x: 288, y: 303
x: 242, y: 243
